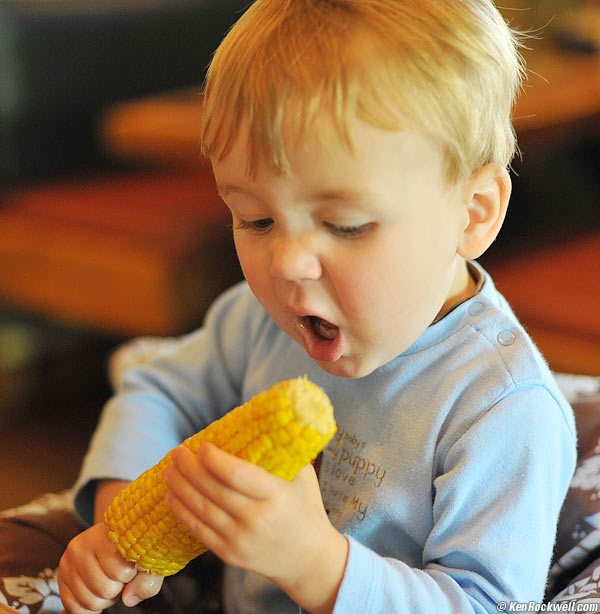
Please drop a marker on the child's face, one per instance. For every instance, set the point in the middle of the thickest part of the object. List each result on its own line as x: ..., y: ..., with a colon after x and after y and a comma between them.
x: 352, y: 254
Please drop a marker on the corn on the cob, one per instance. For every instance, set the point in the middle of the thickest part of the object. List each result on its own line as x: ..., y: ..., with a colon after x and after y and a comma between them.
x: 281, y: 429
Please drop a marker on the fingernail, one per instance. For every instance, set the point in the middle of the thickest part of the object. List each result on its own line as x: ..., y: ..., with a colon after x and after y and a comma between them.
x: 131, y: 600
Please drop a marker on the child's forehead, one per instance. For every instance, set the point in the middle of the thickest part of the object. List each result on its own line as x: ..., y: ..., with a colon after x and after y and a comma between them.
x: 325, y: 132
x: 323, y: 137
x: 321, y: 159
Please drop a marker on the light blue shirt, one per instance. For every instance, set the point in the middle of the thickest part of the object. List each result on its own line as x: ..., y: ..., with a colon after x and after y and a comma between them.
x: 447, y: 473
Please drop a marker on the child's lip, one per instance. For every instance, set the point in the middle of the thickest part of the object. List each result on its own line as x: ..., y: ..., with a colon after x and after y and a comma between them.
x: 301, y: 311
x: 305, y: 316
x: 318, y: 347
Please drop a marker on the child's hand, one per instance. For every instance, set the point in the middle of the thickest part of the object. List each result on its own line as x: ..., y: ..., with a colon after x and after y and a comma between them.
x: 255, y: 520
x: 92, y: 575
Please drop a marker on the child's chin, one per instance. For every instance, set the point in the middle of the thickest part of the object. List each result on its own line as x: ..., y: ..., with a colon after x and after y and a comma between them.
x: 347, y: 367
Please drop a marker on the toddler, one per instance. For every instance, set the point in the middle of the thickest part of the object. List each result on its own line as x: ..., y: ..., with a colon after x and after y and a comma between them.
x: 362, y: 147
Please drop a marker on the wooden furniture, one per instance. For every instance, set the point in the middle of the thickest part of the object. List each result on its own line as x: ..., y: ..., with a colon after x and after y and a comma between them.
x: 163, y: 129
x: 138, y: 254
x: 560, y: 99
x: 555, y: 292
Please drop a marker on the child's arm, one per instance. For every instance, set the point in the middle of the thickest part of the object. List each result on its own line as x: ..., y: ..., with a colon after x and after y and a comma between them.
x: 92, y: 574
x: 157, y: 405
x: 106, y: 491
x: 498, y: 486
x: 257, y: 521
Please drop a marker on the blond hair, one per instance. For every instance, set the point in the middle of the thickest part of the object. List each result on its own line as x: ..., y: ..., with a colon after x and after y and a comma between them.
x: 450, y: 68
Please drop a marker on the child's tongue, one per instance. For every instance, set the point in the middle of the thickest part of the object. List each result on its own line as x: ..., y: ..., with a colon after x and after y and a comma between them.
x: 322, y: 340
x: 325, y: 330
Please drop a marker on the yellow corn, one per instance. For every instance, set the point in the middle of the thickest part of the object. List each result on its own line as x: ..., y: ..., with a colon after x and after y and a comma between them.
x: 281, y: 429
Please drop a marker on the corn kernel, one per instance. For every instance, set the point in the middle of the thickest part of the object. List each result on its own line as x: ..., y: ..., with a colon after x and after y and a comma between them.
x: 281, y: 430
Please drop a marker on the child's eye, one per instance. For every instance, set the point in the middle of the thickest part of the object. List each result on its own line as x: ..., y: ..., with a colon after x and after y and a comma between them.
x: 256, y: 225
x: 348, y: 232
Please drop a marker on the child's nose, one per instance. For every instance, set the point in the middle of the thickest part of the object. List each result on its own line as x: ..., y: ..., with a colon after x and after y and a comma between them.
x: 294, y: 259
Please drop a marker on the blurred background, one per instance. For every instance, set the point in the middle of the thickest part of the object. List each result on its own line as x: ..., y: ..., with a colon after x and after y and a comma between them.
x: 110, y: 227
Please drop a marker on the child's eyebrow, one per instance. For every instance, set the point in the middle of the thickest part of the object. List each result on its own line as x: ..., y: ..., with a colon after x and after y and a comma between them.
x: 226, y: 188
x: 347, y: 194
x: 343, y: 194
x: 356, y: 197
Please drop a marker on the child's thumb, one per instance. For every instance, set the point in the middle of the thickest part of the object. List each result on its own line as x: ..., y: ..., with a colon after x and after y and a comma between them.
x: 143, y: 586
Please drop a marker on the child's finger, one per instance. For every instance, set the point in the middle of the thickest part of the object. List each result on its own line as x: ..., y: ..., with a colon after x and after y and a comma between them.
x: 110, y: 561
x: 208, y: 535
x: 143, y: 586
x: 97, y: 583
x: 308, y: 477
x: 78, y: 599
x: 238, y: 474
x: 72, y: 606
x: 194, y: 485
x: 207, y: 498
x: 116, y: 568
x: 73, y: 580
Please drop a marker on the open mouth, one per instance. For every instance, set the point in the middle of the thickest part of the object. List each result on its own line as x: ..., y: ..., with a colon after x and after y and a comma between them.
x: 323, y: 329
x: 323, y: 340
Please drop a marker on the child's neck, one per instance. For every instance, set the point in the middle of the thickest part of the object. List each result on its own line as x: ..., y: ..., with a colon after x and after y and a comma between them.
x: 464, y: 286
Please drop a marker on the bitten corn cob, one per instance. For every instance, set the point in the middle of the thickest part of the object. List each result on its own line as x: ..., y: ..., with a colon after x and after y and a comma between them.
x: 281, y: 429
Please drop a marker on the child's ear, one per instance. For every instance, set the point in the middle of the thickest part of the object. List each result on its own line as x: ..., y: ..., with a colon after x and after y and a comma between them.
x: 488, y: 194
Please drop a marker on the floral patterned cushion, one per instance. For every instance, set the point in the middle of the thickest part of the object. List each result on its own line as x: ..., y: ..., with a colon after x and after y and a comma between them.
x: 583, y: 589
x: 578, y: 535
x: 32, y: 540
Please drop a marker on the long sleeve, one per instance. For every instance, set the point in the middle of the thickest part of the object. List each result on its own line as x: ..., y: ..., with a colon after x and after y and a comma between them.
x: 496, y: 501
x: 161, y: 403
